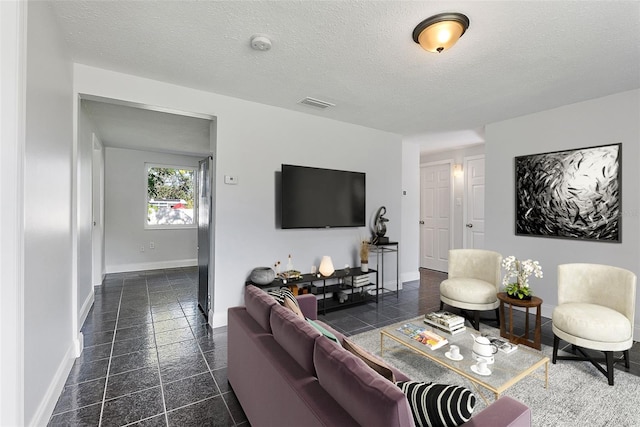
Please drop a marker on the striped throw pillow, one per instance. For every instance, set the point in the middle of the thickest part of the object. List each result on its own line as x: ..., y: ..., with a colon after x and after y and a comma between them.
x: 438, y: 404
x: 286, y: 298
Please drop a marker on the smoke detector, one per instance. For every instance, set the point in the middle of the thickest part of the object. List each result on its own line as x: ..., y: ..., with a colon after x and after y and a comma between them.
x: 261, y: 43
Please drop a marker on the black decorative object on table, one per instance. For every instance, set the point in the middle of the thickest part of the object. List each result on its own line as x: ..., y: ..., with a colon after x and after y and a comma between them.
x: 380, y: 228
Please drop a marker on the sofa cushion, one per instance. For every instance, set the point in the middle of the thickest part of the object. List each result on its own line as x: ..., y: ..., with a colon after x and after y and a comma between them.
x: 295, y: 336
x: 373, y: 362
x: 438, y: 404
x: 379, y: 404
x: 258, y: 304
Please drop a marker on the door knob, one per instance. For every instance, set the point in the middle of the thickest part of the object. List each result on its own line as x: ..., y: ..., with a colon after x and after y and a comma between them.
x: 469, y: 225
x: 421, y: 222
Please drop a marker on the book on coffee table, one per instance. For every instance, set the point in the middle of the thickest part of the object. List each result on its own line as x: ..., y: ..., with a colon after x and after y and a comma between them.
x: 423, y: 336
x: 459, y: 329
x: 503, y: 345
x: 445, y: 318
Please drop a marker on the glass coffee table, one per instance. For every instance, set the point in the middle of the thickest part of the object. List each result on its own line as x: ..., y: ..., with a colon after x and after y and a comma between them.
x: 507, y: 370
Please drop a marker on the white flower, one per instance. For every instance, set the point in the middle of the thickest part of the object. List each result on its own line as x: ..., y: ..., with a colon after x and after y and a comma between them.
x: 519, y: 271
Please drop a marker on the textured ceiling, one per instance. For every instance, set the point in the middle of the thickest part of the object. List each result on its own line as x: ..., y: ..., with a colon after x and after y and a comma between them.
x: 517, y: 57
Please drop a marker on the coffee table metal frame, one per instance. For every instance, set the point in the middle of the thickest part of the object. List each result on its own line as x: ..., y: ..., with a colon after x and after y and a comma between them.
x: 508, y: 369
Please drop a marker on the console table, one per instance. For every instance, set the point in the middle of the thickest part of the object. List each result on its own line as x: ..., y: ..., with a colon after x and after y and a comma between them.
x: 326, y: 289
x: 385, y: 248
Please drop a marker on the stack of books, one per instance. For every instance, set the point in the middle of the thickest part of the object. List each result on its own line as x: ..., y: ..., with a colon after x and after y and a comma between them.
x: 446, y: 322
x: 357, y: 281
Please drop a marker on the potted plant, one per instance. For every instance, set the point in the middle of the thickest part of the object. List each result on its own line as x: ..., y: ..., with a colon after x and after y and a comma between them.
x: 364, y: 256
x: 516, y: 278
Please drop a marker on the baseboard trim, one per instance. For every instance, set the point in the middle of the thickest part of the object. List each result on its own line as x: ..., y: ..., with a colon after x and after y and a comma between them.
x: 48, y: 403
x: 102, y: 276
x: 78, y: 345
x: 217, y: 320
x: 409, y: 277
x: 86, y: 306
x: 123, y: 268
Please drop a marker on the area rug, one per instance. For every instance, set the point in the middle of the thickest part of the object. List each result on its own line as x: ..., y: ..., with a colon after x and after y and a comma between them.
x: 578, y: 394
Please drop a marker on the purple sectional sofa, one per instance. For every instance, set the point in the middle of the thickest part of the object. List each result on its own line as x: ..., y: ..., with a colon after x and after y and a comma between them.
x: 285, y: 373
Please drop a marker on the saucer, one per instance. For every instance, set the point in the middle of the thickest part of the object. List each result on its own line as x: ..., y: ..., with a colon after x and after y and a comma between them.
x: 448, y: 354
x: 474, y: 368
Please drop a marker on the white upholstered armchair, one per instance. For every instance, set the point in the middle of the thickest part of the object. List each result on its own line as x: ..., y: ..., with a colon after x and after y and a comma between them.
x: 473, y: 283
x: 596, y: 306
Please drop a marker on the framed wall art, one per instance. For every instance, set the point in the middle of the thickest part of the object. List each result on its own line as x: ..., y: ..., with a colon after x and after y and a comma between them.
x: 570, y: 194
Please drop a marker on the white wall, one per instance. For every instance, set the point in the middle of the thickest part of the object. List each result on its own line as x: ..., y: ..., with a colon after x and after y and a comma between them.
x: 457, y: 157
x: 607, y: 120
x: 48, y: 332
x: 410, y: 237
x: 13, y: 25
x: 125, y: 210
x: 253, y: 140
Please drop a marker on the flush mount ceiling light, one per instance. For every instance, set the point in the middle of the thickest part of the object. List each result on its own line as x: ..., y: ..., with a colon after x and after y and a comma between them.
x: 441, y: 31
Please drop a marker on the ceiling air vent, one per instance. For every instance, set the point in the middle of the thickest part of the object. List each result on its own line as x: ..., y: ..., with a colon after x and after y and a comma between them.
x: 317, y: 103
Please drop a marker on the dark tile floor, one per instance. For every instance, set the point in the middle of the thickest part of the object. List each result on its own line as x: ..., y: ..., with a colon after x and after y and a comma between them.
x: 150, y: 359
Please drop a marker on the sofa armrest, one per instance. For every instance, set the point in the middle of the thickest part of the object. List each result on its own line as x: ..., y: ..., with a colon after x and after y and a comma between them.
x: 504, y: 412
x: 308, y: 305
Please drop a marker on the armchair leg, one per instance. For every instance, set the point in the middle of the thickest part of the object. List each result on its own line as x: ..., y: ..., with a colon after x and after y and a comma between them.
x: 626, y: 358
x: 498, y: 317
x: 609, y: 358
x: 441, y: 305
x: 476, y: 320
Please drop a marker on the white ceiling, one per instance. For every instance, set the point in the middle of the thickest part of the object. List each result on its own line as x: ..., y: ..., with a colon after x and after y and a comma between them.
x: 516, y: 58
x: 128, y: 126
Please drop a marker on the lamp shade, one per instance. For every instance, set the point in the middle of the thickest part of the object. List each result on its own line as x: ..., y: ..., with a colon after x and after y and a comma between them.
x: 326, y: 266
x: 440, y: 32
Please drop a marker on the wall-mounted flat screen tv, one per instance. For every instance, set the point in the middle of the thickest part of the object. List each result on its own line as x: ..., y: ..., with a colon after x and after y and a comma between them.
x: 322, y: 198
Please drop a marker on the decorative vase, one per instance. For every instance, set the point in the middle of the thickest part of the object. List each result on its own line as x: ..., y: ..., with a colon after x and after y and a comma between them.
x: 262, y: 276
x: 524, y: 298
x: 364, y: 266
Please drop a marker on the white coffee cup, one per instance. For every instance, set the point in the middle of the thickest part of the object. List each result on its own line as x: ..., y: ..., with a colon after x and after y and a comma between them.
x: 482, y: 366
x: 454, y: 351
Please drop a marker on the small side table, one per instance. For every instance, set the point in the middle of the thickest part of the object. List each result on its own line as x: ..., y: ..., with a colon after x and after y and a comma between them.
x: 534, y: 302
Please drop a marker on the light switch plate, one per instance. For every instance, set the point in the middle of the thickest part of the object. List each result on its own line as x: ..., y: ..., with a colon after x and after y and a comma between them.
x: 230, y: 179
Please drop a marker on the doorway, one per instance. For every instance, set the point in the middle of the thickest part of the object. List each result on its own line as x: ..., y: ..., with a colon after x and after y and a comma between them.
x: 436, y: 215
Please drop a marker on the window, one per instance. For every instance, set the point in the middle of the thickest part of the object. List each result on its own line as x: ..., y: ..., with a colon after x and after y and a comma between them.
x: 170, y: 196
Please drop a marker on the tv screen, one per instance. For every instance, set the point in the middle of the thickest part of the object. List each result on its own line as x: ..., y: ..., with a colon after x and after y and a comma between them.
x: 322, y: 198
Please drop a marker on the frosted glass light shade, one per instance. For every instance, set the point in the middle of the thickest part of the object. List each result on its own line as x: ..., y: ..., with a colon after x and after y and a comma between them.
x: 326, y: 266
x: 438, y: 33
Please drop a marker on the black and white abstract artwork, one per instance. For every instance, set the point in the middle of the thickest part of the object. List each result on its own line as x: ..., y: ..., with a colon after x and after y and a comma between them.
x: 573, y: 194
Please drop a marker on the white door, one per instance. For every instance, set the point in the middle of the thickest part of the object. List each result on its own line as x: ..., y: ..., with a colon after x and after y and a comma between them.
x: 435, y: 216
x: 474, y: 202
